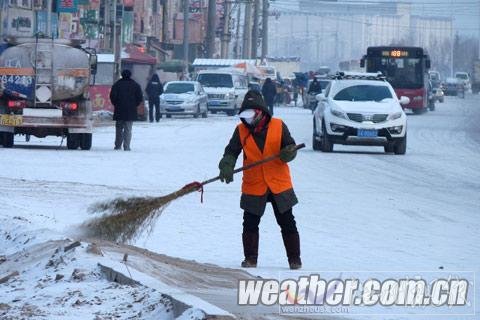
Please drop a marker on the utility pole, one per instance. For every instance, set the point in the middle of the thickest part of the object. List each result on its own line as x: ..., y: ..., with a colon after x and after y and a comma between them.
x: 479, y: 31
x: 237, y: 32
x: 452, y: 40
x: 226, y: 29
x: 211, y: 28
x: 265, y: 29
x: 247, y: 30
x: 256, y: 12
x: 49, y: 18
x: 186, y: 31
x: 117, y: 43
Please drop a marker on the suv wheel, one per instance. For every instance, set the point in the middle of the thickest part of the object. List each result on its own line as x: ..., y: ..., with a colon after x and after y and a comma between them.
x: 326, y: 145
x: 401, y: 146
x: 389, y: 148
x: 316, y: 145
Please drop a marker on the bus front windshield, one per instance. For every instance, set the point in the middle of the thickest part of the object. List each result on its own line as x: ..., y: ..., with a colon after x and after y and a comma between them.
x: 405, y: 73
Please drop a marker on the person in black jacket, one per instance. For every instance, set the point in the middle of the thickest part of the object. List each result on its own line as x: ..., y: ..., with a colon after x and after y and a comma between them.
x: 126, y: 95
x: 269, y: 90
x: 154, y: 90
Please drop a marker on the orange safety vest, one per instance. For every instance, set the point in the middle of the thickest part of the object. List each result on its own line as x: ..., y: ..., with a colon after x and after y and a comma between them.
x: 273, y: 175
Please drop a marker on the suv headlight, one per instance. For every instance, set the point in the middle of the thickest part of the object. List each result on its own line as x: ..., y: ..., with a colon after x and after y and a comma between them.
x: 338, y: 114
x: 229, y: 96
x: 395, y: 116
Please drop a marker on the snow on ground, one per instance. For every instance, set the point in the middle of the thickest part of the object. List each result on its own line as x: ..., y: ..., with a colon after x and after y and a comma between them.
x: 359, y: 210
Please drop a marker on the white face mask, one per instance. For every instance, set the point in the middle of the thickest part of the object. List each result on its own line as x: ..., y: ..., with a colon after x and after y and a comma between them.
x: 248, y: 116
x: 249, y: 120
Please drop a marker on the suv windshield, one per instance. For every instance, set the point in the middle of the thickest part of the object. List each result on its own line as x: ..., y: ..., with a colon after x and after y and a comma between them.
x: 462, y: 76
x: 363, y: 93
x: 179, y: 88
x: 216, y: 80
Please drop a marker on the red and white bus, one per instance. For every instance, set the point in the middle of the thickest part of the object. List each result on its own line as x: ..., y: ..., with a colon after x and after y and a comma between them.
x: 406, y: 68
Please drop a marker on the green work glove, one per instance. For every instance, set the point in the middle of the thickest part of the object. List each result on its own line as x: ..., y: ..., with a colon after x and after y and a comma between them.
x: 288, y: 153
x: 226, y: 166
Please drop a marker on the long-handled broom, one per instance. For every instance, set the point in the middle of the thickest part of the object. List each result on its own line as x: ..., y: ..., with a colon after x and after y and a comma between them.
x: 125, y: 218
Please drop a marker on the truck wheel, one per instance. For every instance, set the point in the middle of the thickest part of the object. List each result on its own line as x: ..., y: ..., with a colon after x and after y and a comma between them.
x: 326, y: 145
x: 73, y: 141
x: 8, y: 140
x: 401, y: 146
x: 86, y: 141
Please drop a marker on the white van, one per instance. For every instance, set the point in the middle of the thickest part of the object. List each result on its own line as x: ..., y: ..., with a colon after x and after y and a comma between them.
x: 225, y: 89
x: 465, y: 78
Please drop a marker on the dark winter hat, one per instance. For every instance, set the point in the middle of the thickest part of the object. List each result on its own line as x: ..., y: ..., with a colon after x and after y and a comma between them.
x: 126, y: 74
x: 254, y: 100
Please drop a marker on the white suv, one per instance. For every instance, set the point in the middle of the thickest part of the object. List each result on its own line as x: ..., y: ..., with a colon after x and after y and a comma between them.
x: 360, y: 109
x: 464, y: 77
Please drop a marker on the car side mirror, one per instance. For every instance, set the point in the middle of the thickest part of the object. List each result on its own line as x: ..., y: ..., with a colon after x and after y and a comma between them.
x: 404, y: 100
x: 320, y: 97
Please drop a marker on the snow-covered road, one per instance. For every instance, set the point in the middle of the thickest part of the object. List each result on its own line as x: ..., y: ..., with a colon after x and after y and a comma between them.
x: 359, y: 210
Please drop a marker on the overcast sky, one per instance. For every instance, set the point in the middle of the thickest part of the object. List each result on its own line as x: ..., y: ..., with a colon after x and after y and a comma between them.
x: 466, y: 13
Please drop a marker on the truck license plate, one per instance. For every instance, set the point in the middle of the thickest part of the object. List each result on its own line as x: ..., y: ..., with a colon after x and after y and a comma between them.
x: 11, y: 120
x: 367, y: 133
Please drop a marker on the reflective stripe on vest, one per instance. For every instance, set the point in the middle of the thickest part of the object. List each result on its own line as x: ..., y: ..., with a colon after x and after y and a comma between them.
x: 273, y: 175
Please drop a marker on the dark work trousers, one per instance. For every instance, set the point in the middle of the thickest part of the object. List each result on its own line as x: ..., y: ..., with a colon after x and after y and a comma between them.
x: 154, y: 103
x: 123, y: 134
x: 285, y: 220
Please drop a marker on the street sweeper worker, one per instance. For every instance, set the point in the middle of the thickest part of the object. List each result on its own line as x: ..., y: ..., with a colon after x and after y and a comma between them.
x: 259, y: 135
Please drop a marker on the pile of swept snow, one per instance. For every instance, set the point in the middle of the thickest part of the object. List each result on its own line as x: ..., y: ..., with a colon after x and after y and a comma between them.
x: 61, y: 279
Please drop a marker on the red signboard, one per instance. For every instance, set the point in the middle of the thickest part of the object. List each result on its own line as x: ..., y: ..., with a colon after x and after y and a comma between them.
x: 100, y: 98
x: 128, y: 3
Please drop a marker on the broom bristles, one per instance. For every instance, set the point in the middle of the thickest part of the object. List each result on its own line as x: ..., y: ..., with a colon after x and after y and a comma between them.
x: 125, y: 219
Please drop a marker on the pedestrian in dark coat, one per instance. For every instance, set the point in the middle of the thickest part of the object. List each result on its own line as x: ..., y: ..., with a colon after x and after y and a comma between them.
x: 126, y: 95
x: 259, y: 136
x: 269, y: 90
x: 154, y: 90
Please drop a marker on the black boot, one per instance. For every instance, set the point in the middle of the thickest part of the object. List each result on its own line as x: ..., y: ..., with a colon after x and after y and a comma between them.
x: 292, y: 246
x: 250, y: 249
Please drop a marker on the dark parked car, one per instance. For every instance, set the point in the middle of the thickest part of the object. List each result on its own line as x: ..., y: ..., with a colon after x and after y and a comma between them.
x: 451, y: 87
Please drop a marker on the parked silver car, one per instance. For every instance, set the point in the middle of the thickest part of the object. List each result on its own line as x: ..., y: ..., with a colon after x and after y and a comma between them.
x: 183, y: 98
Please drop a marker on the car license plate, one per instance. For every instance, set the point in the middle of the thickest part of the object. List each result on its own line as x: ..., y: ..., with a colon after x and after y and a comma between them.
x: 214, y: 103
x: 367, y: 133
x: 11, y: 120
x: 174, y: 109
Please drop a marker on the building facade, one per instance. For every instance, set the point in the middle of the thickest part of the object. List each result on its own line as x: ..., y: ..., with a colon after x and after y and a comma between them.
x: 331, y: 32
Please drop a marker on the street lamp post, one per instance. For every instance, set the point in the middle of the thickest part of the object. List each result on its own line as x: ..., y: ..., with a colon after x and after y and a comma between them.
x: 186, y: 4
